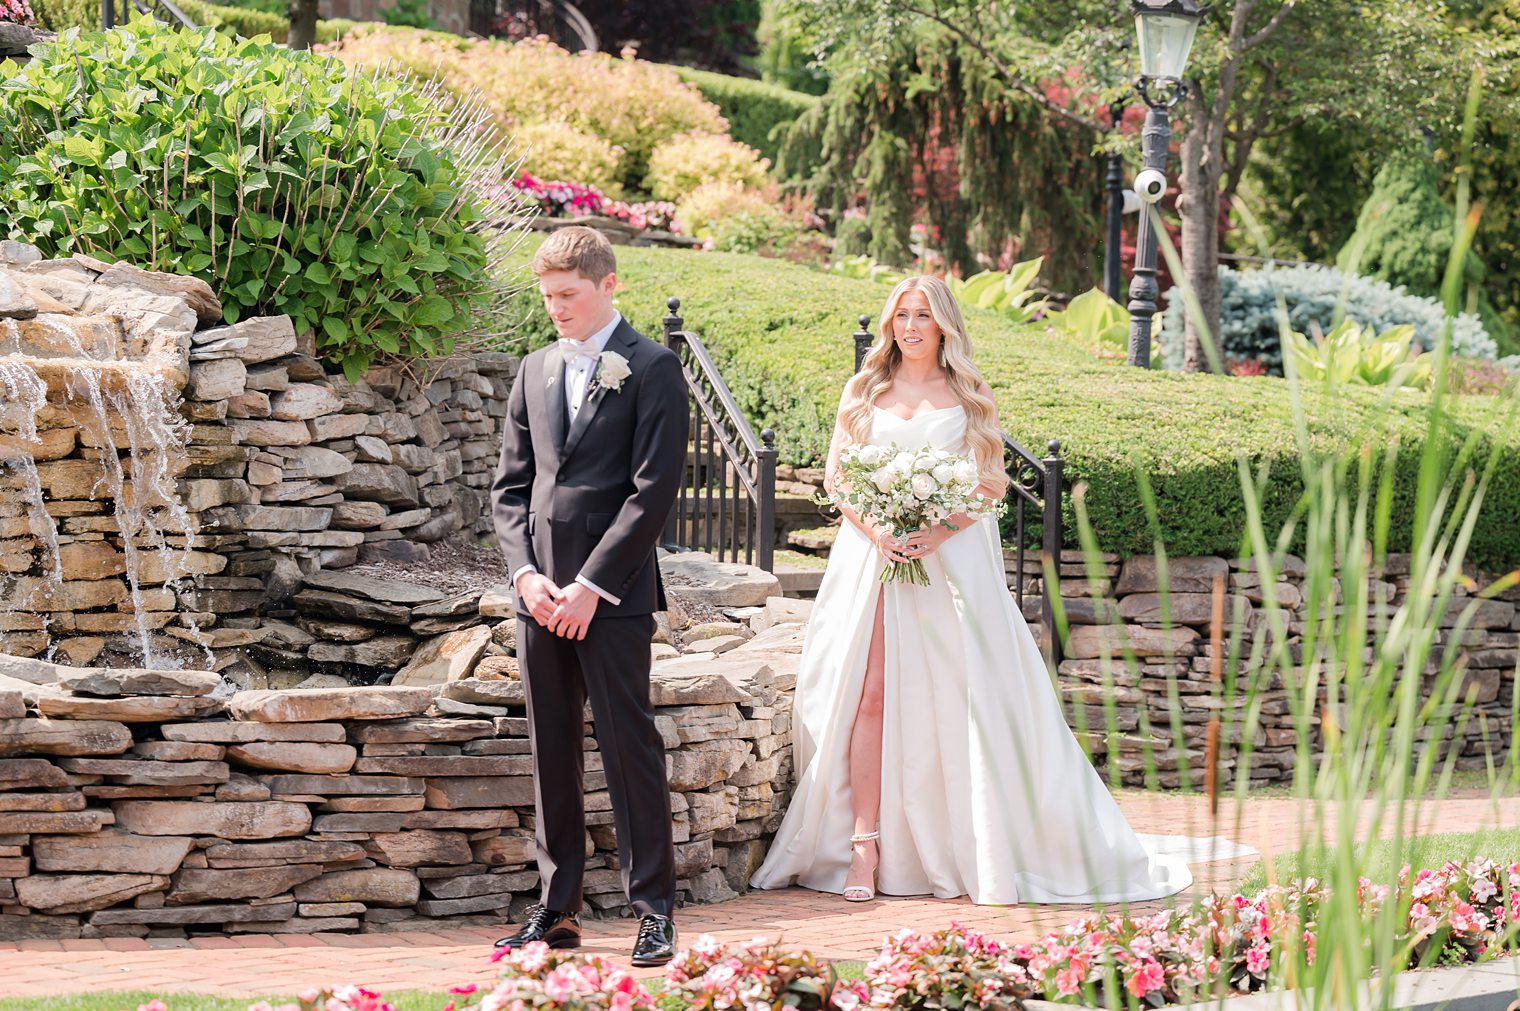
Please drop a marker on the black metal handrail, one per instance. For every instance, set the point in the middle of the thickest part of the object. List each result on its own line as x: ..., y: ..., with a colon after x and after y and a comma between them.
x: 727, y: 504
x: 161, y: 10
x: 1032, y: 482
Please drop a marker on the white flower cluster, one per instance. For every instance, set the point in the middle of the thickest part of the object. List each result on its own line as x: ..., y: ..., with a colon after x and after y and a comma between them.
x: 909, y: 489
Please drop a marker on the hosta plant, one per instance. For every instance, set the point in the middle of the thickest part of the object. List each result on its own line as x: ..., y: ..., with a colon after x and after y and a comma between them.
x: 1352, y: 353
x: 288, y: 183
x: 1006, y: 291
x: 1095, y: 319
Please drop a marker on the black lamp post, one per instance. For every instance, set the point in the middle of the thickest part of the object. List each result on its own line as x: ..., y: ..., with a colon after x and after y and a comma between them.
x: 1165, y: 29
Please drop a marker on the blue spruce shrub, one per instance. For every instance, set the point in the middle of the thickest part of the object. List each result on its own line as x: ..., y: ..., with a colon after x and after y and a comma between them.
x: 1313, y: 294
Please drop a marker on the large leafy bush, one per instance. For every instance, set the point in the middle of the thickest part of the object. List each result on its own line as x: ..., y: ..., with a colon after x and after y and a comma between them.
x: 287, y: 183
x: 1315, y: 298
x: 785, y: 348
x: 556, y: 150
x: 631, y: 104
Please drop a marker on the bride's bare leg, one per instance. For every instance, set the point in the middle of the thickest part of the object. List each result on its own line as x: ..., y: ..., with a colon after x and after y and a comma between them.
x: 865, y: 757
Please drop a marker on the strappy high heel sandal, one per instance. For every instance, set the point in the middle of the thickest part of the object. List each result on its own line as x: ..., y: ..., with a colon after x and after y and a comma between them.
x: 864, y: 893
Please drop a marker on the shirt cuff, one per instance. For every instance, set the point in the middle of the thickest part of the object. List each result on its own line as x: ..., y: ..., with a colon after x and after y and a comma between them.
x: 588, y: 584
x: 518, y: 574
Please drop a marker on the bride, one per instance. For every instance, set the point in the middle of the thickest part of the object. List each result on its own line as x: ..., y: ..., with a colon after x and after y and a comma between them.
x: 931, y: 749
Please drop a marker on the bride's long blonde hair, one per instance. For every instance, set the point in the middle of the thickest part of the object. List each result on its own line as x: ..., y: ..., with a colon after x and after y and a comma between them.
x: 880, y: 367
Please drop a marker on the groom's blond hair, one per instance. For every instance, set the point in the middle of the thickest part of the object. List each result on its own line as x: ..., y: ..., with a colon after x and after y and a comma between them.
x: 583, y: 250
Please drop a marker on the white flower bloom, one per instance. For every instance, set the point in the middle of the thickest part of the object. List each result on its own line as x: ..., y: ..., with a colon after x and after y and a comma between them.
x: 924, y: 485
x: 614, y: 370
x: 871, y: 456
x: 903, y: 461
x: 883, y: 479
x: 943, y: 473
x: 965, y: 471
x: 923, y: 463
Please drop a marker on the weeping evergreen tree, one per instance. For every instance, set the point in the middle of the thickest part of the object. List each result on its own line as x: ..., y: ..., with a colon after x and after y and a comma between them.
x: 932, y: 134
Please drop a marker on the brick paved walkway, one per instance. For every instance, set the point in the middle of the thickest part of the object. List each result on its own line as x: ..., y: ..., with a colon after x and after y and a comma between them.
x: 283, y: 965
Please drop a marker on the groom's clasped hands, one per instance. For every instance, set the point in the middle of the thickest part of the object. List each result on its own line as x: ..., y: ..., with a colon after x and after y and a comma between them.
x: 567, y: 611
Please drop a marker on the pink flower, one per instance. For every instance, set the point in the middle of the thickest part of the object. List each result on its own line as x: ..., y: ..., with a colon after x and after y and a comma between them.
x: 1147, y: 976
x: 1069, y: 981
x: 153, y: 1005
x: 1258, y: 958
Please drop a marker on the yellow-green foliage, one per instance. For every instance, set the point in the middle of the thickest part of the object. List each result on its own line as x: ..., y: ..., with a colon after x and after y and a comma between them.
x: 695, y: 159
x: 558, y: 151
x: 707, y: 205
x: 629, y: 103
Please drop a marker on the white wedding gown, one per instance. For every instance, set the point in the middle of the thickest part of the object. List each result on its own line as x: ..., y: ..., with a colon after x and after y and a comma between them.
x: 985, y: 792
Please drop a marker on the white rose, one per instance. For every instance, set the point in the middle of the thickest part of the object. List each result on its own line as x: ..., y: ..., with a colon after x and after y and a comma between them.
x: 613, y: 371
x: 871, y: 456
x: 924, y: 463
x: 883, y: 479
x: 943, y: 473
x: 903, y: 462
x: 924, y: 485
x: 965, y: 472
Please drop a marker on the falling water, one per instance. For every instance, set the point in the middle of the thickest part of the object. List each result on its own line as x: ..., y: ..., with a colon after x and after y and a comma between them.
x: 149, y: 514
x: 23, y: 395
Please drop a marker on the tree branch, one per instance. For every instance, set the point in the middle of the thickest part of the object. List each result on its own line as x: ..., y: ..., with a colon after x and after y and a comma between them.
x: 1252, y: 41
x: 1007, y: 72
x: 1247, y: 137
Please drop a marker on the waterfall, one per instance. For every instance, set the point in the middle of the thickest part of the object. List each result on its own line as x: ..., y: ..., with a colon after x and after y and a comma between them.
x: 96, y: 389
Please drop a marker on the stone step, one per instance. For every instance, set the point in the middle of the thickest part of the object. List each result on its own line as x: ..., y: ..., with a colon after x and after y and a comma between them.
x: 800, y: 574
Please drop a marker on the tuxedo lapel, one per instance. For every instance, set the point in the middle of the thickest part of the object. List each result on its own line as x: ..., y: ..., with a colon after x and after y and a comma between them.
x: 554, y: 396
x: 622, y: 341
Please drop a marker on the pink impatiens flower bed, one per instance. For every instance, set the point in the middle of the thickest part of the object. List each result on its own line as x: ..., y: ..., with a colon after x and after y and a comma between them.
x: 1458, y: 913
x: 558, y: 199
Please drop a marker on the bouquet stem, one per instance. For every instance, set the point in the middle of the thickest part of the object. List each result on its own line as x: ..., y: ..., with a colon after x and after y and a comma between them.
x: 911, y: 571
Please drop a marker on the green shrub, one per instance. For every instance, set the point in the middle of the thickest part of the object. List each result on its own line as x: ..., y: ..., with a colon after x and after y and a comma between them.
x: 781, y: 334
x: 852, y: 237
x: 289, y: 185
x: 631, y: 104
x: 686, y: 163
x: 243, y: 19
x: 1315, y: 297
x: 59, y: 15
x: 558, y: 152
x: 758, y: 113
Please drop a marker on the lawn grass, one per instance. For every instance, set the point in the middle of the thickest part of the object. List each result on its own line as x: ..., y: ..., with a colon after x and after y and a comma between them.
x: 130, y: 1000
x: 1381, y: 859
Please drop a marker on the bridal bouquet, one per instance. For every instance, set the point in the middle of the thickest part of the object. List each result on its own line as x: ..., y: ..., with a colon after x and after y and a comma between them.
x: 908, y: 490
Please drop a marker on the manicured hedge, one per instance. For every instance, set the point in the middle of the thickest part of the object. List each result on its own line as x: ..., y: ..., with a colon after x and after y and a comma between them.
x: 246, y: 22
x: 782, y: 336
x: 753, y: 108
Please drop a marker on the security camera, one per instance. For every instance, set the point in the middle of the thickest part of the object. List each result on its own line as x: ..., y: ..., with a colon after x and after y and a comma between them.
x: 1150, y: 185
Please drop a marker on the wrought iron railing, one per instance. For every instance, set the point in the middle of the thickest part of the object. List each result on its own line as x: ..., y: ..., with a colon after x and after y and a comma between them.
x: 118, y: 12
x: 1033, y: 485
x: 727, y: 504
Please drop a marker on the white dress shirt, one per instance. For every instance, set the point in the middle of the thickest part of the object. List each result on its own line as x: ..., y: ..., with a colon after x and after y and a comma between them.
x: 578, y: 372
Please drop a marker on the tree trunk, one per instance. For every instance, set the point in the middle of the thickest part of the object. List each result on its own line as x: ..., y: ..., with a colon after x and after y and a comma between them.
x: 303, y: 24
x: 1198, y: 205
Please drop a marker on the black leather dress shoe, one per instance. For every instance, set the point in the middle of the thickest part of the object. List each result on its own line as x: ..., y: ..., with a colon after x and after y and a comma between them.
x: 557, y: 930
x: 656, y: 944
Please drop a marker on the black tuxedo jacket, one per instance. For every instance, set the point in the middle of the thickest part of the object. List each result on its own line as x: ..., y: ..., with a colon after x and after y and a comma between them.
x: 592, y: 499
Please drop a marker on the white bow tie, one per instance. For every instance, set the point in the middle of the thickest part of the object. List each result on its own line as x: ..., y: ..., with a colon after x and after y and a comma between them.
x: 574, y: 349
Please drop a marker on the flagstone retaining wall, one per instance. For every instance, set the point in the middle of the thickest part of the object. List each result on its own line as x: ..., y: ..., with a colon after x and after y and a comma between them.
x: 138, y: 803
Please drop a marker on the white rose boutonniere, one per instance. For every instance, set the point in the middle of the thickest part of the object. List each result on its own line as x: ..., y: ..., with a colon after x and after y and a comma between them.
x: 613, y: 371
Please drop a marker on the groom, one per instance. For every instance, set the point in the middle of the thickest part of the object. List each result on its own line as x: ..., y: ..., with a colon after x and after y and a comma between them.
x: 591, y: 461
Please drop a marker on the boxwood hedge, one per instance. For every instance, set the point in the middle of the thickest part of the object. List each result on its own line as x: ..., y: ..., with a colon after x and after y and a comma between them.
x: 753, y: 108
x: 781, y: 334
